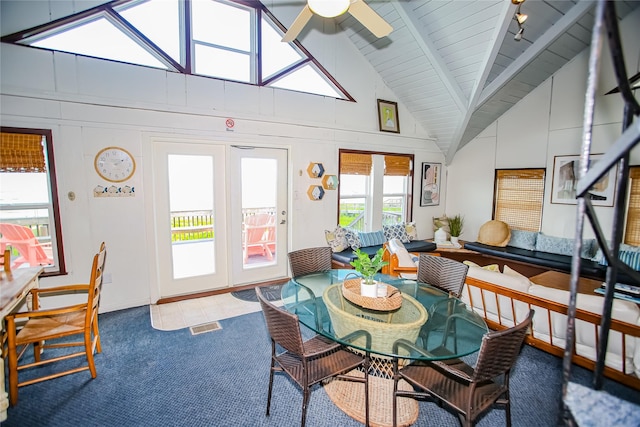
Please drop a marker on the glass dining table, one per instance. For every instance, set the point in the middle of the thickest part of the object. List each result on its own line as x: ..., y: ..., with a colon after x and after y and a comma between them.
x: 429, y: 324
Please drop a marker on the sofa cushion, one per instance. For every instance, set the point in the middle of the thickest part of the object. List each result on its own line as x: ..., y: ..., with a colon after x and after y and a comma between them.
x: 523, y: 239
x: 494, y: 233
x: 371, y: 238
x: 484, y: 302
x: 337, y: 239
x: 395, y: 231
x: 553, y: 261
x: 563, y: 245
x: 586, y: 339
x: 520, y: 284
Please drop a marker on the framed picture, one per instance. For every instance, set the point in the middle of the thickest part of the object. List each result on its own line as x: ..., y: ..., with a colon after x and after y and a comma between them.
x: 430, y: 184
x: 388, y: 119
x: 565, y: 182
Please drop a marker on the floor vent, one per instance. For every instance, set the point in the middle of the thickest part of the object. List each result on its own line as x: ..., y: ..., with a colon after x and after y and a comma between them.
x: 205, y: 327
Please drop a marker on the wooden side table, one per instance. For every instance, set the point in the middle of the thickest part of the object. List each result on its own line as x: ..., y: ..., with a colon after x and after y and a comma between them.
x: 559, y: 280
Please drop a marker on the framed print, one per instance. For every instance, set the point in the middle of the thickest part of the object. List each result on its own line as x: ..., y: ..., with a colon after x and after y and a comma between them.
x: 565, y: 182
x: 430, y: 184
x: 388, y: 119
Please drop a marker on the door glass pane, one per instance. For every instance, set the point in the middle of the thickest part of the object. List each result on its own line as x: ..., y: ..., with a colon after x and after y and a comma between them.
x: 259, y: 190
x: 192, y: 226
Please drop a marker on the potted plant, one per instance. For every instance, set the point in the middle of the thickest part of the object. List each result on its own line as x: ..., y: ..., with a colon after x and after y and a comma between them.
x: 456, y: 223
x: 368, y: 267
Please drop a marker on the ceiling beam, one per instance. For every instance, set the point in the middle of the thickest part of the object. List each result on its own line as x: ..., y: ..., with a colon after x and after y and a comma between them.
x: 543, y: 42
x: 424, y: 41
x: 500, y: 31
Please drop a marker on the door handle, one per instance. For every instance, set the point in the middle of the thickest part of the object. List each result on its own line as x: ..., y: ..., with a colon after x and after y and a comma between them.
x: 284, y: 221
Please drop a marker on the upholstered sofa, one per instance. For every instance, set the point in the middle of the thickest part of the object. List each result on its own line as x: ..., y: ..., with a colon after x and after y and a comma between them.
x: 344, y: 242
x: 554, y: 253
x: 503, y: 298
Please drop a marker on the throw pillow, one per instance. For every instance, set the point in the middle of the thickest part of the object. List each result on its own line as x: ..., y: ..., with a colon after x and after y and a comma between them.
x: 494, y: 233
x: 395, y: 231
x: 490, y: 267
x: 372, y: 238
x: 412, y: 231
x: 554, y: 245
x: 337, y: 239
x: 404, y: 257
x: 523, y: 239
x: 352, y: 238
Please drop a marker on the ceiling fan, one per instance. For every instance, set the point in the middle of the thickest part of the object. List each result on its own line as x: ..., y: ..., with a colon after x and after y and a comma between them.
x: 332, y: 8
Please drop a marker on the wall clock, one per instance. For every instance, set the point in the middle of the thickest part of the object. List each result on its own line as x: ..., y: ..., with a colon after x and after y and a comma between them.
x: 115, y: 164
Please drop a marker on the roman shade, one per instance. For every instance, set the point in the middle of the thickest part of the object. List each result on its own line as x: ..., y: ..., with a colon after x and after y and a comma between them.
x: 21, y: 153
x: 519, y: 196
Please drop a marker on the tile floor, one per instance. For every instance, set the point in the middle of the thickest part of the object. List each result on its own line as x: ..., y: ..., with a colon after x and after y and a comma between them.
x: 184, y: 314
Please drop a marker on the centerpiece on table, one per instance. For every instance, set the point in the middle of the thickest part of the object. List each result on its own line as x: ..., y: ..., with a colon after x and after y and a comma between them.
x: 368, y: 267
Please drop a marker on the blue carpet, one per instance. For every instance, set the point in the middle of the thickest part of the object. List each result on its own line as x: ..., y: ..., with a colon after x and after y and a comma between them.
x: 148, y: 377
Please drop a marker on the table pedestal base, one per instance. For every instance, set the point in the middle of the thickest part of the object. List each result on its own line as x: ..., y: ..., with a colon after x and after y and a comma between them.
x: 349, y: 397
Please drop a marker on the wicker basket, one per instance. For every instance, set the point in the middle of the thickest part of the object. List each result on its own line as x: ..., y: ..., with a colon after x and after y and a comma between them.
x: 351, y: 291
x: 385, y: 327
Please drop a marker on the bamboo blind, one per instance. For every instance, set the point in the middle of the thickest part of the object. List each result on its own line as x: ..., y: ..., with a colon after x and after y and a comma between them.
x: 21, y: 153
x: 355, y: 164
x: 519, y: 198
x: 632, y: 230
x: 397, y: 165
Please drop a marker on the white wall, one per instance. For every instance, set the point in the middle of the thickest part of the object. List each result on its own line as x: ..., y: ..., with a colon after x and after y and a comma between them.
x: 89, y: 104
x: 546, y: 123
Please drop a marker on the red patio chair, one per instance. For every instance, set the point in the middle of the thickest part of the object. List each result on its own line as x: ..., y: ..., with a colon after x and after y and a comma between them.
x: 23, y: 240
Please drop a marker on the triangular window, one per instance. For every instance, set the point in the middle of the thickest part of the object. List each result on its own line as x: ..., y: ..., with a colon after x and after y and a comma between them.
x: 214, y: 38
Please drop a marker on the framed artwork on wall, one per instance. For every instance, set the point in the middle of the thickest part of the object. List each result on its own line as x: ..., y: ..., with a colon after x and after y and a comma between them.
x: 430, y: 184
x: 565, y: 182
x: 388, y: 119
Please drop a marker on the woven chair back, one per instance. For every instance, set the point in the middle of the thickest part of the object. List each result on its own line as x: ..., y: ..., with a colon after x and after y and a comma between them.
x: 499, y: 350
x: 444, y: 273
x: 310, y: 260
x: 283, y: 327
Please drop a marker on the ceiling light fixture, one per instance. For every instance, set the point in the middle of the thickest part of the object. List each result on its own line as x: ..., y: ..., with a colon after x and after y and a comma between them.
x: 329, y: 8
x: 518, y: 36
x: 520, y: 19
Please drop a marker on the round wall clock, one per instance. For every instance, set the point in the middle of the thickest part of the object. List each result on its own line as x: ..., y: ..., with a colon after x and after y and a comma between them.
x: 115, y: 164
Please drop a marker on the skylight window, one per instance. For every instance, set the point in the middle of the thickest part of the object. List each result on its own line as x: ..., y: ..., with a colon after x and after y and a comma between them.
x: 223, y: 42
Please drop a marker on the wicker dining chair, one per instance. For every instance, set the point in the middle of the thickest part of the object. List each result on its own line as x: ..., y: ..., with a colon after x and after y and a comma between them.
x: 467, y: 391
x: 444, y: 273
x: 310, y: 260
x: 308, y: 362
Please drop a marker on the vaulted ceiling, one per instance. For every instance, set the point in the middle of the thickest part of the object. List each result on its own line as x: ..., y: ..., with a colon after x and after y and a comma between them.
x: 455, y: 64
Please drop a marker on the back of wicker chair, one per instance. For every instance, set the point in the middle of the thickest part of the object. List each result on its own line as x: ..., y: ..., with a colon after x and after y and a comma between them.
x: 444, y: 273
x: 310, y: 260
x: 469, y: 391
x: 308, y: 362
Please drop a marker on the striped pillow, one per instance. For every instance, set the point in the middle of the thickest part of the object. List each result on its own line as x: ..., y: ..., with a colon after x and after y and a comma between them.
x: 371, y: 238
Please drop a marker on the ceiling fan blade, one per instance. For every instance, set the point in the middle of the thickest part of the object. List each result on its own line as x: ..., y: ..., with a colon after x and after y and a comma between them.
x: 370, y: 19
x: 298, y: 24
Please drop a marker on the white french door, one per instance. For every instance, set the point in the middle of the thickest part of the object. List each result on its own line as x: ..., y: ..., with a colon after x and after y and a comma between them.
x: 258, y: 202
x: 189, y: 210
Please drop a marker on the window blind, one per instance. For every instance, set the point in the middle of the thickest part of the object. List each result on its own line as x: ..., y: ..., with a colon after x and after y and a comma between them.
x: 355, y: 164
x: 632, y: 229
x: 397, y: 165
x: 21, y: 153
x: 519, y: 195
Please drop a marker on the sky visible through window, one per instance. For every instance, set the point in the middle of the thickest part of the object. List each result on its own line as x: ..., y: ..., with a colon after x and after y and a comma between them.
x: 224, y: 43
